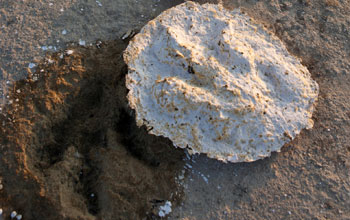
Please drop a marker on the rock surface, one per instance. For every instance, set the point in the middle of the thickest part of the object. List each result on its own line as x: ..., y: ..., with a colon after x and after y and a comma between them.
x: 218, y: 83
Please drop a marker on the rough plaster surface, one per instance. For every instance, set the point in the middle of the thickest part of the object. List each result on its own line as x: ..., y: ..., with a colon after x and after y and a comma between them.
x: 215, y: 81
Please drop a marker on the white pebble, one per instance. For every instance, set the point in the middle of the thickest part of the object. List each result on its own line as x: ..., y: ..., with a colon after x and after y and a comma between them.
x: 99, y: 3
x: 13, y: 214
x: 204, y: 178
x: 1, y: 186
x: 82, y: 42
x: 69, y: 52
x: 0, y: 212
x: 19, y: 217
x: 31, y: 65
x: 165, y: 209
x: 64, y: 32
x: 161, y: 213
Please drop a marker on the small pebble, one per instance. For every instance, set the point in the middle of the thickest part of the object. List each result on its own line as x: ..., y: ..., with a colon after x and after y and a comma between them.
x: 0, y: 212
x: 31, y: 65
x: 129, y: 33
x: 13, y: 214
x: 82, y: 42
x: 19, y: 217
x: 69, y: 52
x: 99, y: 3
x: 64, y: 32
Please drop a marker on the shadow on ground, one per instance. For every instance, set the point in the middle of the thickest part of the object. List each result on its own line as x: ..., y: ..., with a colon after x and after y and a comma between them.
x: 70, y: 146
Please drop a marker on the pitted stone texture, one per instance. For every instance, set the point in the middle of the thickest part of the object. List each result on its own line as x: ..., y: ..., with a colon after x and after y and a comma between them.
x: 216, y: 82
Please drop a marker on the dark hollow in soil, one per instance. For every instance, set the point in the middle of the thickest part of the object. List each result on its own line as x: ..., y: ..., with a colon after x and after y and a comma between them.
x: 70, y: 146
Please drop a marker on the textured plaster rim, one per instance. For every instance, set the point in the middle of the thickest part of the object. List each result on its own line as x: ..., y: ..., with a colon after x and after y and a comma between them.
x: 216, y: 82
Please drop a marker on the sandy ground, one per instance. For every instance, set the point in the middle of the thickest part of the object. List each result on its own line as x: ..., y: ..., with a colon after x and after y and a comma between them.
x: 55, y: 155
x: 29, y: 29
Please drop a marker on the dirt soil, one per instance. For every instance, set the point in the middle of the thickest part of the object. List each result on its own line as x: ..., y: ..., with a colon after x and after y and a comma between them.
x: 69, y: 148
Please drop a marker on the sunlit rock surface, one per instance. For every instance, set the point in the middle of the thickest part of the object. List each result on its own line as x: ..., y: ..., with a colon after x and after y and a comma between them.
x: 218, y: 83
